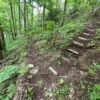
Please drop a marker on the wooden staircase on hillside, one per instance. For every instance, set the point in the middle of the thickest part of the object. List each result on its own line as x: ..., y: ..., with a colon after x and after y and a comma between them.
x: 79, y: 44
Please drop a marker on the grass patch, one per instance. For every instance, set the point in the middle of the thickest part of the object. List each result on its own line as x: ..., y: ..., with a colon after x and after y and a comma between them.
x: 61, y: 93
x: 8, y: 72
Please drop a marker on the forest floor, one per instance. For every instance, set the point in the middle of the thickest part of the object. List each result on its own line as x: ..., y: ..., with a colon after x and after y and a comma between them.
x: 54, y: 77
x: 74, y: 74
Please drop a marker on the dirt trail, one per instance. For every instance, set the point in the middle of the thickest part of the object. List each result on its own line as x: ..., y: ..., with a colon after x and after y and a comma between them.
x: 48, y: 67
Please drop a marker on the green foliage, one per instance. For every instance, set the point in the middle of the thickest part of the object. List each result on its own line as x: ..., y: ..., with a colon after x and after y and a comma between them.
x: 29, y: 93
x: 10, y: 90
x: 61, y: 93
x: 61, y: 81
x: 15, y: 44
x: 66, y: 33
x: 6, y: 85
x: 8, y: 72
x: 92, y: 44
x: 50, y: 25
x: 93, y: 69
x: 24, y: 70
x: 98, y: 33
x: 95, y: 92
x: 17, y: 47
x: 61, y: 37
x: 53, y: 15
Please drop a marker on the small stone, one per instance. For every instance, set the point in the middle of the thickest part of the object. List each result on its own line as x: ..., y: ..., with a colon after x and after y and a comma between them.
x: 30, y: 65
x: 29, y: 76
x: 45, y: 88
x: 54, y: 85
x: 94, y: 64
x: 83, y: 73
x: 34, y: 71
x: 71, y: 94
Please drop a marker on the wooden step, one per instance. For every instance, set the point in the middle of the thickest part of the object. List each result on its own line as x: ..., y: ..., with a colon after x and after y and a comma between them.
x: 91, y: 30
x: 87, y: 34
x: 78, y: 43
x: 73, y: 51
x: 83, y: 38
x: 91, y: 26
x: 66, y: 59
x: 88, y: 37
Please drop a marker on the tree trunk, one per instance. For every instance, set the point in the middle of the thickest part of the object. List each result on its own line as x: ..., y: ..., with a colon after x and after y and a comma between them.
x: 15, y: 25
x: 65, y: 6
x: 13, y: 22
x: 19, y: 9
x: 43, y: 18
x: 2, y: 43
x: 25, y: 15
x: 32, y: 16
x: 27, y: 18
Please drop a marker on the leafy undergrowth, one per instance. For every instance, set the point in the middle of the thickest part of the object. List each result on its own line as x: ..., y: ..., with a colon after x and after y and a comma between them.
x: 95, y: 92
x: 69, y: 87
x: 61, y: 93
x: 60, y: 37
x: 7, y: 82
x: 7, y: 90
x: 95, y: 42
x: 79, y: 84
x: 16, y: 49
x: 8, y: 72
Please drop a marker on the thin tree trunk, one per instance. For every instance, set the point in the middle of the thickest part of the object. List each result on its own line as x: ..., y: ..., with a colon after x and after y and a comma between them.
x: 65, y: 6
x: 12, y: 16
x: 19, y: 9
x: 43, y: 19
x: 2, y: 43
x: 15, y: 25
x: 27, y: 18
x: 25, y: 14
x: 32, y: 16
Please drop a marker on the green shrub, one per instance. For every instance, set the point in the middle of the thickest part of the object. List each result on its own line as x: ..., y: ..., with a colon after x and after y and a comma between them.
x: 8, y: 72
x: 6, y: 84
x: 24, y: 70
x: 93, y: 69
x: 9, y: 89
x: 50, y: 25
x: 95, y: 92
x: 61, y: 93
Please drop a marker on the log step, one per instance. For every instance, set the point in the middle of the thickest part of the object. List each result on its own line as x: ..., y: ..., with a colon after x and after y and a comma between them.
x: 87, y: 34
x: 73, y: 51
x: 78, y: 43
x: 91, y: 30
x: 83, y: 38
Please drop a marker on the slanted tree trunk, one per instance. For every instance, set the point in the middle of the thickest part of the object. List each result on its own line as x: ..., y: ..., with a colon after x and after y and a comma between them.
x: 2, y: 43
